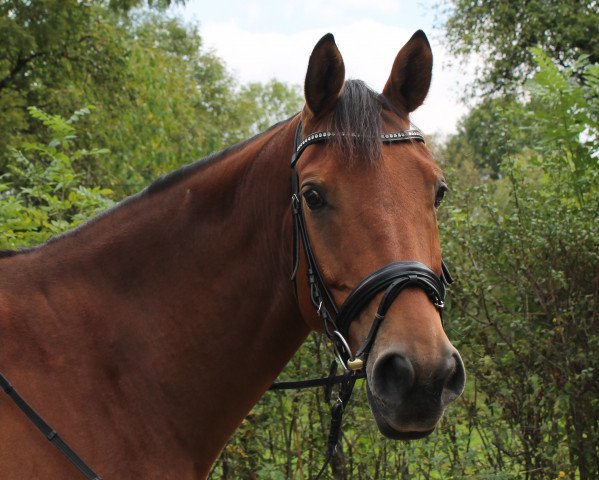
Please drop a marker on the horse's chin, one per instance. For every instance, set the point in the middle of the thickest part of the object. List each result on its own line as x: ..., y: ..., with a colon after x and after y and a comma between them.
x: 390, y: 432
x: 391, y: 425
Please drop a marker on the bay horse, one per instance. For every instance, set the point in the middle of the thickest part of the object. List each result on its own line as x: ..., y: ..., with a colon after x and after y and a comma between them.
x: 146, y: 335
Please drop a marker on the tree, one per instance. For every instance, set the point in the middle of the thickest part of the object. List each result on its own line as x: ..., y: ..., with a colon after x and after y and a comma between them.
x: 52, y: 50
x: 177, y: 103
x: 488, y: 133
x: 41, y: 193
x: 161, y: 100
x: 273, y: 101
x: 502, y: 32
x: 170, y: 107
x: 526, y: 249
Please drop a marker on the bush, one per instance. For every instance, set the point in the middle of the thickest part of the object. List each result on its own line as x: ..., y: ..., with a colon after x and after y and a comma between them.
x: 42, y: 194
x: 526, y: 250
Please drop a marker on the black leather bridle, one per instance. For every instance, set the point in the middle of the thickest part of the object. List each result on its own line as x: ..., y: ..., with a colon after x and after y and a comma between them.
x: 392, y: 279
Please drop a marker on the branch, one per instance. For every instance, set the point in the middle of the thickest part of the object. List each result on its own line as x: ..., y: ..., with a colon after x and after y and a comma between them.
x: 20, y: 65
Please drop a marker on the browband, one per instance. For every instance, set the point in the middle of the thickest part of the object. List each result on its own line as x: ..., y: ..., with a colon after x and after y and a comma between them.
x: 318, y: 137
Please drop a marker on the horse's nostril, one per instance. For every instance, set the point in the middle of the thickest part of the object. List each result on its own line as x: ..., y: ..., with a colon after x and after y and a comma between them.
x: 454, y: 379
x: 393, y: 377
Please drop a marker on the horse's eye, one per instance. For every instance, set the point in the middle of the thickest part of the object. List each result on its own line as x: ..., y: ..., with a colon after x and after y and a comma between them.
x: 440, y: 194
x: 314, y: 199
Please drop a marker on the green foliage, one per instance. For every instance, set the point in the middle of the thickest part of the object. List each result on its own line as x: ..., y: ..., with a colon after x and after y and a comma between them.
x: 178, y: 104
x: 41, y: 194
x: 285, y: 436
x: 504, y: 126
x: 487, y: 134
x: 526, y: 250
x: 274, y: 101
x: 51, y: 51
x: 502, y: 33
x: 160, y: 115
x: 161, y: 99
x: 286, y: 433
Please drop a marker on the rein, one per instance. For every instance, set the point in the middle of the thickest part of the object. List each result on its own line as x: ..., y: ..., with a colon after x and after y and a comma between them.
x: 392, y: 279
x: 47, y: 430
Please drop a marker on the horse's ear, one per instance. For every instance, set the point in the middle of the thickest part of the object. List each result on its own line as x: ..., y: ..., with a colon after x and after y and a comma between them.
x: 410, y: 77
x: 325, y: 76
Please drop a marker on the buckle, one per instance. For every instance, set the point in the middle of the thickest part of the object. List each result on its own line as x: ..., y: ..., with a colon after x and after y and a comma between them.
x: 295, y: 205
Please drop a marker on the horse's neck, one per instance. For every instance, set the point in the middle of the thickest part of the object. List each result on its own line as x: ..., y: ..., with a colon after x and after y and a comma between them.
x: 178, y: 302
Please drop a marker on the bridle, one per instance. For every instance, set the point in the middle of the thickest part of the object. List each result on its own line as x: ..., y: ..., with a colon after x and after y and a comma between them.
x: 392, y: 279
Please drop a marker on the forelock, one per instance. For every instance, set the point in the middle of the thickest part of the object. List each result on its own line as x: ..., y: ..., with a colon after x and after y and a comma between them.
x: 357, y: 122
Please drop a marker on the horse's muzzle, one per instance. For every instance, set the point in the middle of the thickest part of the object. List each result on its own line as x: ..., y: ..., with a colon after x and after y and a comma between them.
x: 407, y: 400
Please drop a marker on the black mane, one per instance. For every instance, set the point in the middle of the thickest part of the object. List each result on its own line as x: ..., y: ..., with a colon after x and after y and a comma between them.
x: 9, y: 253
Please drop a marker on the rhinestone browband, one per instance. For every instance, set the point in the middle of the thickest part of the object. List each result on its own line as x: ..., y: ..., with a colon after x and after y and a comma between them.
x: 402, y: 136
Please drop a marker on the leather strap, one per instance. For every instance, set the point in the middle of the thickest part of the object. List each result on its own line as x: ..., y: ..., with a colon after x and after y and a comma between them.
x: 47, y: 430
x: 321, y: 137
x: 410, y: 273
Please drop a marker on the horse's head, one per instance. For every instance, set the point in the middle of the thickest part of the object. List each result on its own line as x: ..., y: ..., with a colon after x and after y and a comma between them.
x: 367, y: 204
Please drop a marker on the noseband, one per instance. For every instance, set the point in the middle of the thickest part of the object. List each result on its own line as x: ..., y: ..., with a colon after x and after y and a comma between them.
x: 392, y: 278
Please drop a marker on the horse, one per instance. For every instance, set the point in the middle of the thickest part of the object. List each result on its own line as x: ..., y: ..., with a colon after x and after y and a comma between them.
x: 146, y: 335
